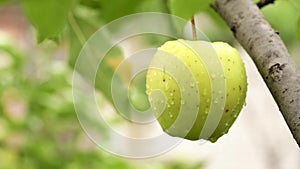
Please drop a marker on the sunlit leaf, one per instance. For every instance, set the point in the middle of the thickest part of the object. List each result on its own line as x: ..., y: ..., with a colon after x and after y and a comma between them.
x: 114, y: 9
x: 295, y: 3
x: 47, y: 16
x: 153, y: 6
x: 91, y: 3
x: 186, y: 9
x: 282, y: 16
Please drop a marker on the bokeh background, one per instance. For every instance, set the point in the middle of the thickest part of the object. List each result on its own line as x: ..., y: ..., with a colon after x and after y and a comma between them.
x: 39, y: 127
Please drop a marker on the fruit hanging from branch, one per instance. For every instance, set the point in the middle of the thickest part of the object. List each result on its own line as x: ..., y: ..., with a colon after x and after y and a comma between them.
x: 193, y: 97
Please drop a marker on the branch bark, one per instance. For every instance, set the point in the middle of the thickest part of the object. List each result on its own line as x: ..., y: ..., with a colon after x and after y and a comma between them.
x: 270, y: 55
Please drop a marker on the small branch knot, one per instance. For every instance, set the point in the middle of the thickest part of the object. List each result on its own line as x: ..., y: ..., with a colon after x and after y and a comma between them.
x: 275, y: 72
x: 263, y: 3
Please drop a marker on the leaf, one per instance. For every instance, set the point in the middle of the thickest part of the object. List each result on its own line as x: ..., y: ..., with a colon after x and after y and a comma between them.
x: 295, y: 3
x: 186, y: 9
x: 114, y: 9
x: 90, y: 3
x: 106, y: 69
x: 47, y: 16
x: 152, y: 6
x: 3, y: 1
x: 298, y: 30
x: 282, y: 16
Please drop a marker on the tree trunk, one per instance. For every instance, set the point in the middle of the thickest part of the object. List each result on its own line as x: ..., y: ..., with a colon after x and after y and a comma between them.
x: 270, y: 55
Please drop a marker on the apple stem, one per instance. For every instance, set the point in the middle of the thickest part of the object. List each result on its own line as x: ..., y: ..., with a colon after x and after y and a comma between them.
x: 194, y: 28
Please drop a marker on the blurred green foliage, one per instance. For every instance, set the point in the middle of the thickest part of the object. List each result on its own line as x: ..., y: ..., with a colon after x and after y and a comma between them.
x: 38, y: 124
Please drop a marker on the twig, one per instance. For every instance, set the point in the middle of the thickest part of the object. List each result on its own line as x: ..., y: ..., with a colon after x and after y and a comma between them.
x: 77, y: 30
x: 194, y: 28
x: 269, y: 54
x: 263, y: 3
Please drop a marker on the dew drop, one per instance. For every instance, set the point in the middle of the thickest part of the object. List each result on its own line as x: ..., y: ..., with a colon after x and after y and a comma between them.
x: 171, y: 94
x: 238, y: 101
x: 172, y: 102
x: 192, y: 85
x: 168, y: 106
x: 207, y: 100
x: 170, y: 115
x: 224, y: 132
x: 206, y: 112
x: 182, y: 101
x: 213, y: 76
x: 154, y: 73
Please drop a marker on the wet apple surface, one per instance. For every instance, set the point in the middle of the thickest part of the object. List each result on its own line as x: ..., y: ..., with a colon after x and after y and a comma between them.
x: 182, y: 78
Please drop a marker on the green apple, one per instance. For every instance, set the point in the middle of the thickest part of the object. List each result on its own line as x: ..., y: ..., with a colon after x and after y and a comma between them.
x: 194, y: 102
x: 137, y: 95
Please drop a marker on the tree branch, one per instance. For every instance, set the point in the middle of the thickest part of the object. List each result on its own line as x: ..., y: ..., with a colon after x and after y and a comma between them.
x: 194, y: 28
x: 269, y: 54
x: 263, y: 3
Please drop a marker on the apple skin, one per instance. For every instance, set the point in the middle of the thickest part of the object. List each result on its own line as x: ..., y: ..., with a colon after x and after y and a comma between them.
x: 167, y: 109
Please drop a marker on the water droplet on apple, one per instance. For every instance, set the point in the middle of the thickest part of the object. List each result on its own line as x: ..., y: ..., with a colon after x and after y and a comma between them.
x: 192, y: 85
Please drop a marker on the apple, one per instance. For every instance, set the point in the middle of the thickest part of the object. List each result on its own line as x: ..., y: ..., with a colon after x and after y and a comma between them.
x: 181, y: 92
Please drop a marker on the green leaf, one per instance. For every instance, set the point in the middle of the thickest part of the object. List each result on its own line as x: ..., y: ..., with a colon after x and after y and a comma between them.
x: 152, y: 6
x: 283, y: 16
x: 90, y: 3
x: 3, y: 1
x: 114, y: 9
x: 47, y: 16
x: 106, y: 69
x: 186, y: 9
x: 298, y: 30
x: 295, y: 3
